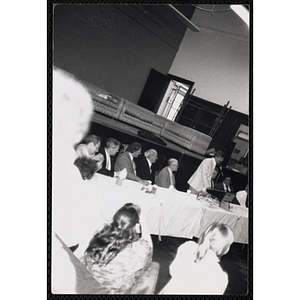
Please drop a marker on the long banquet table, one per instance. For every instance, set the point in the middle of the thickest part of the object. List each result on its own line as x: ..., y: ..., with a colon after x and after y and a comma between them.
x: 171, y: 212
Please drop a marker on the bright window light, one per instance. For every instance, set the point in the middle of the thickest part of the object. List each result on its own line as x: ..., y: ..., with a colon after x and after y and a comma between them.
x: 242, y: 12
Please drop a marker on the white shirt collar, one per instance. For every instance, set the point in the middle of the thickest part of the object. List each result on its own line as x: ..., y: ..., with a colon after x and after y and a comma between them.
x: 108, y: 166
x: 224, y: 185
x: 149, y: 162
x: 107, y: 155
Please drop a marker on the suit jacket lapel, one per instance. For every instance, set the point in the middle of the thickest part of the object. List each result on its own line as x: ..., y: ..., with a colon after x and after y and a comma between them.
x: 132, y: 163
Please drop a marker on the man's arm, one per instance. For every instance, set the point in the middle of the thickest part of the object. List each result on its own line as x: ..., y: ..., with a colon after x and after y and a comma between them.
x: 106, y: 172
x: 124, y: 162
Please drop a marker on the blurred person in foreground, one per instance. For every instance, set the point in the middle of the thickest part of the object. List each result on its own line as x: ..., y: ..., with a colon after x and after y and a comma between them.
x: 74, y: 217
x: 196, y: 268
x: 119, y: 254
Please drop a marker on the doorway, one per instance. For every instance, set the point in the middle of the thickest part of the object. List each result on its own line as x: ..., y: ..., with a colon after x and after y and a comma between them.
x: 173, y: 99
x: 165, y: 94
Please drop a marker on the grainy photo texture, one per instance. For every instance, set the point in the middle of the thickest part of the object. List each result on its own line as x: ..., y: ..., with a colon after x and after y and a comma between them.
x: 151, y: 164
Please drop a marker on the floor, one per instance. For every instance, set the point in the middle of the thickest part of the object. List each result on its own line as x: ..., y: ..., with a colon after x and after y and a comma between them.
x: 234, y: 263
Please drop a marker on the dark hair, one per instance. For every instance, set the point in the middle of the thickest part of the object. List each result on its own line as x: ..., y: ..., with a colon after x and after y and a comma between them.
x: 111, y: 142
x: 113, y: 238
x: 86, y: 166
x: 92, y: 139
x: 134, y: 147
x: 220, y: 154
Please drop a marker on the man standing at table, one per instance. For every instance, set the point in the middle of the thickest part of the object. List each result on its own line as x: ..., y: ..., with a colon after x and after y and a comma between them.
x: 125, y: 160
x: 166, y: 178
x: 109, y: 151
x: 144, y: 166
x: 201, y: 179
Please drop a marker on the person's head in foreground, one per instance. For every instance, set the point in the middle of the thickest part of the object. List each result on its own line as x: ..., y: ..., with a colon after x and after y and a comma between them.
x: 113, y: 238
x: 86, y: 166
x: 218, y: 238
x: 72, y: 108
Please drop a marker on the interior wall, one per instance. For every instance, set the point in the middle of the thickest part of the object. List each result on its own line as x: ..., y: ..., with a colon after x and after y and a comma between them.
x: 115, y: 46
x: 216, y: 58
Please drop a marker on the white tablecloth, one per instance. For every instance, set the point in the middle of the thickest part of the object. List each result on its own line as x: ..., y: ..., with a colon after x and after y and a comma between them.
x: 170, y: 212
x: 79, y: 211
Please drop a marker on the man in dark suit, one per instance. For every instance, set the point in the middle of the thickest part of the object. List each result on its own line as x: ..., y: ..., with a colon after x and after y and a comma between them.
x: 125, y: 160
x: 109, y: 151
x: 144, y: 166
x: 166, y: 178
x: 225, y: 185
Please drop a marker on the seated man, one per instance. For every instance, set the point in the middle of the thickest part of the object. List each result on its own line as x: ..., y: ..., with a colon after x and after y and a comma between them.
x: 166, y: 178
x: 90, y: 148
x: 109, y: 151
x: 144, y: 166
x: 125, y: 160
x: 225, y: 185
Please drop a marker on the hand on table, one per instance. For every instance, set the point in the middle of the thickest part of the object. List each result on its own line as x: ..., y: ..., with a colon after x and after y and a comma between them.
x: 144, y: 182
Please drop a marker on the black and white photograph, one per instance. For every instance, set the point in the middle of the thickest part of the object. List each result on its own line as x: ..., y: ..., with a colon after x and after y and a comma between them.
x: 151, y: 155
x: 111, y: 115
